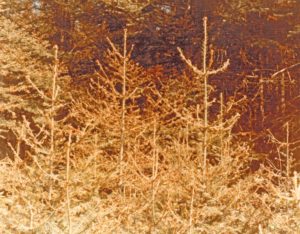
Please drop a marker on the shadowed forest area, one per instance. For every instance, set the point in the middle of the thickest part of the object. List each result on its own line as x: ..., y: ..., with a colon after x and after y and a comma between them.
x: 150, y: 116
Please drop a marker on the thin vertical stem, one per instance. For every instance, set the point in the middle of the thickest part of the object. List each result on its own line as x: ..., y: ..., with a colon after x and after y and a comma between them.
x: 95, y: 156
x: 52, y: 121
x: 262, y: 101
x: 154, y: 156
x: 288, y: 159
x: 204, y: 49
x: 154, y: 172
x: 221, y: 123
x: 192, y: 206
x: 187, y: 141
x: 121, y: 158
x: 260, y: 229
x: 205, y: 95
x: 68, y: 183
x: 19, y: 141
x: 283, y: 93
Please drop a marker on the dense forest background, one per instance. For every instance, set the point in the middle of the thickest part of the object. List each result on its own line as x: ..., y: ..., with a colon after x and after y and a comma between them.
x: 148, y: 116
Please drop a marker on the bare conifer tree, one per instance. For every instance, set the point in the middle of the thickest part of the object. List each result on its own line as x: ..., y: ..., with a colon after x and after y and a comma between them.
x: 204, y: 74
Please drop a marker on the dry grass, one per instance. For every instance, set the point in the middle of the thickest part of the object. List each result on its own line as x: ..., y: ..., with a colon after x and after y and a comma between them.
x: 175, y: 199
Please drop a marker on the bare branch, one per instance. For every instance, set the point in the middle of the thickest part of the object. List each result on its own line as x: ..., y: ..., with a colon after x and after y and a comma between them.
x: 190, y: 64
x: 221, y: 69
x: 40, y: 92
x: 284, y: 69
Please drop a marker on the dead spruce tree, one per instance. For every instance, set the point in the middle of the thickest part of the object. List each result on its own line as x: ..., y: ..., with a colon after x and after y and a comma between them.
x: 116, y: 107
x: 44, y: 135
x: 21, y: 55
x: 203, y: 75
x: 31, y: 97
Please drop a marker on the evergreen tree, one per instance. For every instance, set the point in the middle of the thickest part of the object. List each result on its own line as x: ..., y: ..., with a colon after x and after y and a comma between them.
x: 22, y: 57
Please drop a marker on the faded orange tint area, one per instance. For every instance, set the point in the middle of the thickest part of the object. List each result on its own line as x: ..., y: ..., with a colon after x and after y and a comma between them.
x: 150, y: 116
